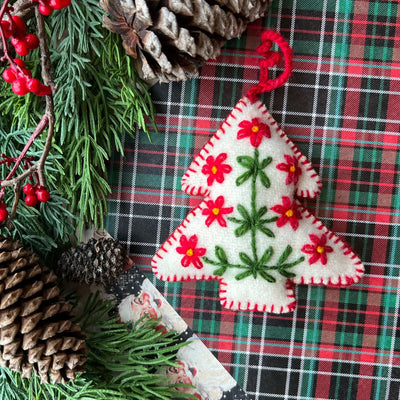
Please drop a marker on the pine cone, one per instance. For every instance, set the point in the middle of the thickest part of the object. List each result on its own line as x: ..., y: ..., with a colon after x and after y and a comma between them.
x: 36, y: 330
x: 97, y: 261
x: 171, y: 39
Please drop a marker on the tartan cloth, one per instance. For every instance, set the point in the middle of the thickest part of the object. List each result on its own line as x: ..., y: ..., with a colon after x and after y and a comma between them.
x: 341, y: 108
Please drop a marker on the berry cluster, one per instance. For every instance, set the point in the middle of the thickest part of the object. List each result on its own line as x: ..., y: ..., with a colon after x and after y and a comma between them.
x: 35, y: 194
x: 46, y: 7
x: 15, y: 29
x: 21, y: 79
x: 18, y: 75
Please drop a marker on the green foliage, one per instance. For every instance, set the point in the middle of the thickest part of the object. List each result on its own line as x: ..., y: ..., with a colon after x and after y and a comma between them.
x: 122, y: 363
x: 99, y: 97
x: 49, y: 227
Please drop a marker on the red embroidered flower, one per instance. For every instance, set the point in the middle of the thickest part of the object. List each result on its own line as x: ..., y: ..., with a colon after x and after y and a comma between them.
x: 191, y: 253
x: 255, y: 130
x: 292, y: 168
x: 318, y: 249
x: 289, y: 213
x: 215, y: 168
x: 215, y: 211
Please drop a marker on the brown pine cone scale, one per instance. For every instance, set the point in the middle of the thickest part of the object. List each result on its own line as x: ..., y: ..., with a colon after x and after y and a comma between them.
x: 171, y: 39
x: 37, y: 335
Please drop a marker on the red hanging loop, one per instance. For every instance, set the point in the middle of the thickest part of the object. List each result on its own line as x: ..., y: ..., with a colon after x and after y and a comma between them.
x: 271, y: 58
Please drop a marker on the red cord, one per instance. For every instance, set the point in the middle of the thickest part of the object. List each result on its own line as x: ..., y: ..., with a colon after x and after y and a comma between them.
x: 271, y: 58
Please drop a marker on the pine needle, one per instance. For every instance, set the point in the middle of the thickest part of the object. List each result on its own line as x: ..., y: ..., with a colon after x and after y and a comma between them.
x: 99, y: 97
x: 123, y: 363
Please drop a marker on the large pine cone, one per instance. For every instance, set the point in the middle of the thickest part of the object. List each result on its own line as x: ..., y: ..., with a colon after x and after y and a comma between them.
x: 97, y: 261
x: 36, y: 330
x: 171, y: 39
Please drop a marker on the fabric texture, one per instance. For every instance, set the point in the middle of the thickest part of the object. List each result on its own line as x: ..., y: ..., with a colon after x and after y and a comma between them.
x: 341, y: 109
x: 249, y: 172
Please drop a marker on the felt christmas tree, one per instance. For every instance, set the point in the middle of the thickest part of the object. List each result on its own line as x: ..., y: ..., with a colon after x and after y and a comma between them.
x: 251, y: 231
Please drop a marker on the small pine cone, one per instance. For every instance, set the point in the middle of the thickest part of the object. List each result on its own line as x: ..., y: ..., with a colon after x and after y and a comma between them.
x: 171, y: 39
x: 37, y: 335
x: 97, y: 261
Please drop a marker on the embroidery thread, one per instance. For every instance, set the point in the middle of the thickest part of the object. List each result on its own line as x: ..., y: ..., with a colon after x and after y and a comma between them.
x: 252, y: 222
x: 289, y: 213
x: 216, y: 169
x: 191, y: 253
x: 255, y: 268
x: 292, y: 168
x: 255, y: 130
x: 318, y: 249
x: 215, y: 211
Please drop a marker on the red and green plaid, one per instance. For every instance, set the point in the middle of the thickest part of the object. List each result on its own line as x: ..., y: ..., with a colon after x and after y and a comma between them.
x: 342, y: 108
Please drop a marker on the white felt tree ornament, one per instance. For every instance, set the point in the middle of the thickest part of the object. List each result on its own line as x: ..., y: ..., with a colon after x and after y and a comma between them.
x: 251, y: 232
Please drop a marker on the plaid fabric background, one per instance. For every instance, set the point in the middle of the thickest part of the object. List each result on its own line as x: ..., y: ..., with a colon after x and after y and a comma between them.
x: 341, y: 107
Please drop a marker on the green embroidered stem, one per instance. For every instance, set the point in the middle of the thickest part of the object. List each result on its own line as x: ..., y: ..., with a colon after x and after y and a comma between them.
x: 253, y: 212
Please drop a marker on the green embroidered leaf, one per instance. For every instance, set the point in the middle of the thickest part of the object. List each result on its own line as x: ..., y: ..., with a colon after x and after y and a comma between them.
x: 265, y: 230
x: 264, y: 179
x: 300, y: 260
x: 266, y: 221
x: 246, y: 161
x: 261, y: 212
x: 267, y: 277
x: 220, y: 271
x: 243, y: 212
x: 285, y: 255
x: 221, y: 255
x: 209, y: 261
x: 267, y: 255
x: 245, y: 259
x: 264, y: 163
x: 243, y: 275
x: 242, y: 229
x: 236, y: 220
x: 287, y: 274
x: 244, y: 177
x: 284, y: 267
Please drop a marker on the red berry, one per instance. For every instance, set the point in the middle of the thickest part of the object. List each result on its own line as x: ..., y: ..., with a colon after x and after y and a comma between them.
x: 43, y: 91
x: 59, y: 4
x: 27, y: 73
x: 19, y: 87
x: 6, y: 27
x: 3, y: 206
x: 3, y: 214
x: 31, y: 200
x: 33, y: 85
x: 21, y: 48
x: 29, y: 189
x: 45, y: 9
x: 19, y: 62
x: 9, y: 75
x: 32, y: 41
x: 42, y: 195
x: 15, y: 40
x: 19, y: 27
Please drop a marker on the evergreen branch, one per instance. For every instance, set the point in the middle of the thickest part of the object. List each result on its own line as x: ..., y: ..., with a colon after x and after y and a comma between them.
x: 46, y: 121
x: 124, y: 363
x: 99, y: 97
x: 51, y: 226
